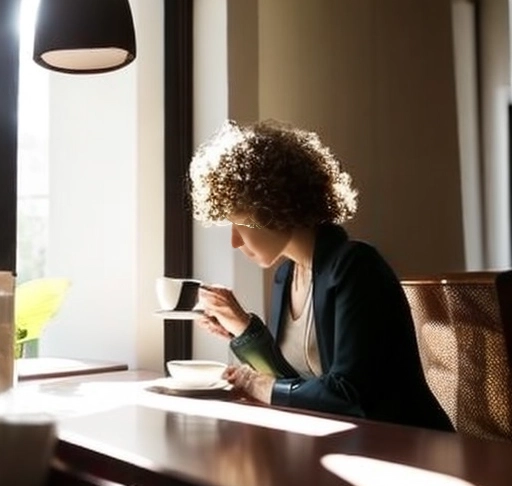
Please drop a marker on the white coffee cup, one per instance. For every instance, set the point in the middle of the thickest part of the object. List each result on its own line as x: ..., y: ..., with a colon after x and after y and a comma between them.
x: 27, y: 442
x: 196, y: 372
x: 177, y: 294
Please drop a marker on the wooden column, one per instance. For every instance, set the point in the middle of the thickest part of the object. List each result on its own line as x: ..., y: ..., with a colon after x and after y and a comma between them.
x: 178, y: 152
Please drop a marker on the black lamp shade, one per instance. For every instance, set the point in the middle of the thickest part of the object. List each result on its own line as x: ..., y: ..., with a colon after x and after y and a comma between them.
x: 84, y: 36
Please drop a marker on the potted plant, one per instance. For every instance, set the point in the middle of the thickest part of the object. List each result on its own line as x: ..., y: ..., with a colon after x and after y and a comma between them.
x: 35, y: 303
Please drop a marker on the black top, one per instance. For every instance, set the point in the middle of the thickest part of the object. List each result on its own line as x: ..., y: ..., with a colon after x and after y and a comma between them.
x: 366, y: 339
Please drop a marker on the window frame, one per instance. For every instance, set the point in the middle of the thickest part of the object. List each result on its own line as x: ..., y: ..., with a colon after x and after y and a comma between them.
x: 178, y: 125
x: 9, y: 60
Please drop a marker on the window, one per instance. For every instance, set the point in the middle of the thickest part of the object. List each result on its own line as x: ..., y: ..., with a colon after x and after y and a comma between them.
x: 33, y: 187
x: 96, y: 196
x: 32, y: 155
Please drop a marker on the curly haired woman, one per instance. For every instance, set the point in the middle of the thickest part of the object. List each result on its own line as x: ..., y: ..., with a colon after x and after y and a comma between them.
x: 340, y: 337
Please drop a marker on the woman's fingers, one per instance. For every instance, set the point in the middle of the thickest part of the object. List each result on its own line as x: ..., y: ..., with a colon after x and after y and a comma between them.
x: 221, y: 303
x: 214, y: 296
x: 237, y: 375
x: 228, y: 373
x: 211, y: 324
x: 257, y: 385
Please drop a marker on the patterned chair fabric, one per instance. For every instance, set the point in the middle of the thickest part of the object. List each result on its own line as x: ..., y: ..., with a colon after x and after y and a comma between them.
x: 463, y: 324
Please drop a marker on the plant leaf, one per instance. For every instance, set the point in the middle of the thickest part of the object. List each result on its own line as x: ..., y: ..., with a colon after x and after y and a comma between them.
x: 35, y: 303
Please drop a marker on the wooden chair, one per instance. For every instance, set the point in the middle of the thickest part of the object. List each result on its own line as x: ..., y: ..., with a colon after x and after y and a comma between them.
x: 463, y: 325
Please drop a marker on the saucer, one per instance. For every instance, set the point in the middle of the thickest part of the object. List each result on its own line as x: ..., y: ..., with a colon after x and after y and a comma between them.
x: 178, y: 315
x: 171, y: 386
x: 180, y: 385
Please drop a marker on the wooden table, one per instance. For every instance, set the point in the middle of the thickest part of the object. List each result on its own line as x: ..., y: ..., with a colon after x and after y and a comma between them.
x: 46, y: 367
x: 151, y: 439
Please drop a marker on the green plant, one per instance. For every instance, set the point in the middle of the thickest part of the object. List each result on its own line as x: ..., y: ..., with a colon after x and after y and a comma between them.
x: 35, y: 303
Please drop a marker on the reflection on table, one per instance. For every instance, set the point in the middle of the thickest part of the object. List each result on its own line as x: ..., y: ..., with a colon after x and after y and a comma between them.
x: 141, y: 437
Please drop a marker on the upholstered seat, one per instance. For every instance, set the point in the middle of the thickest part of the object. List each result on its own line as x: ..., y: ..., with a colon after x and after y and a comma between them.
x: 464, y: 329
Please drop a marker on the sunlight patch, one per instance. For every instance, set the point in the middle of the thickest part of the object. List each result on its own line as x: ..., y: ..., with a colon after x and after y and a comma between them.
x: 366, y: 471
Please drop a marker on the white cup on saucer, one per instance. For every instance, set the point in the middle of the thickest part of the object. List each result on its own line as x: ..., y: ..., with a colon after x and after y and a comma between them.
x: 195, y: 372
x: 177, y: 294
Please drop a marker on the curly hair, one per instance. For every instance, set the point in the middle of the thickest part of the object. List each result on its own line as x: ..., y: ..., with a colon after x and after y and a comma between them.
x: 281, y: 175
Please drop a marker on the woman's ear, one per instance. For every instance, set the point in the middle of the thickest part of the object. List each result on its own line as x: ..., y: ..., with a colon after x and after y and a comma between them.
x: 262, y: 217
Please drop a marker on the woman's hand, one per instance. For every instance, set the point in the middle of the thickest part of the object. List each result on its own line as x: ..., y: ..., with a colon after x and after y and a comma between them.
x: 211, y: 324
x: 255, y: 384
x: 222, y: 310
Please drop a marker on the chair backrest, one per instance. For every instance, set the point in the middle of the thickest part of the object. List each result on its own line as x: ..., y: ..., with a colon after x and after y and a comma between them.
x: 463, y: 326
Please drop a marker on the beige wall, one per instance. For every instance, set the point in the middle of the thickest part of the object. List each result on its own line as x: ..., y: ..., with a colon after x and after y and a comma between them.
x: 376, y: 79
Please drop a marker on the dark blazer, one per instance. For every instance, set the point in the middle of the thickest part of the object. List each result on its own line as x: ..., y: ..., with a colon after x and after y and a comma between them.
x: 366, y: 339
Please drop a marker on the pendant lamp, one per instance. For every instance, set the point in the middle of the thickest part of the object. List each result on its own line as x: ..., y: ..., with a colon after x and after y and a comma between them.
x: 84, y: 36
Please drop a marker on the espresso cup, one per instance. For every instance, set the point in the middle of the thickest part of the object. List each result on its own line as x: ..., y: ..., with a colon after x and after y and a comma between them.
x: 177, y: 294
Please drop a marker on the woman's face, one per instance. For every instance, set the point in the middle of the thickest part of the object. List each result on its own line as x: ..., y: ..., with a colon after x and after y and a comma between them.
x: 260, y: 244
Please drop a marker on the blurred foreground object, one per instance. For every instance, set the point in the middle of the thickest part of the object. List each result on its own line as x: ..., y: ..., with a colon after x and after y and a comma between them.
x: 6, y: 330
